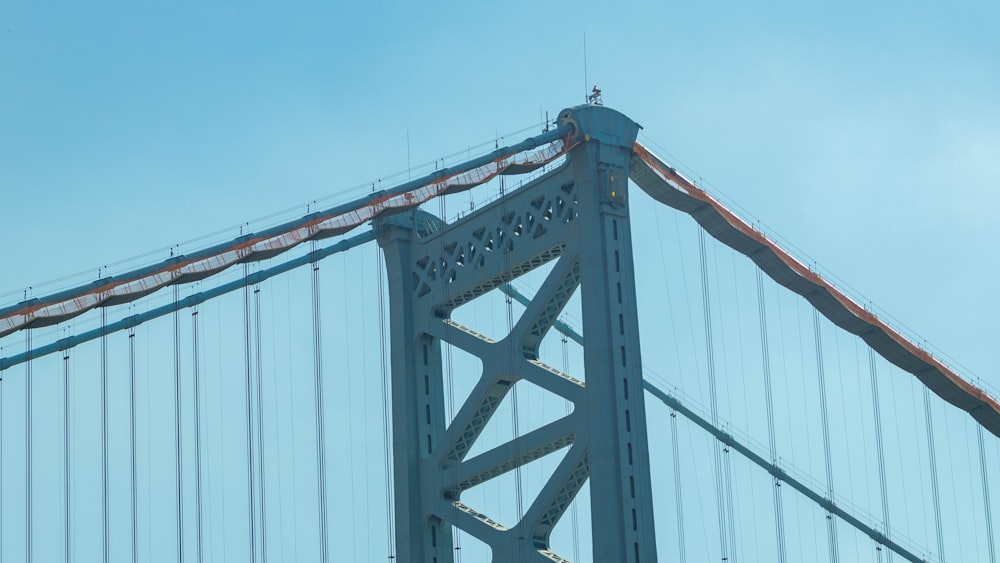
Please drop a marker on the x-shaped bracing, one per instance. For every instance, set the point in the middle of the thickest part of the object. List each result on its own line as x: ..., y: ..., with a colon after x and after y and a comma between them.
x: 574, y: 218
x: 506, y: 362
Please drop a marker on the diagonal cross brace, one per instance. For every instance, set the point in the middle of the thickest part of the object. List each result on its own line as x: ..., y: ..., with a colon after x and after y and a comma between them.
x: 576, y: 215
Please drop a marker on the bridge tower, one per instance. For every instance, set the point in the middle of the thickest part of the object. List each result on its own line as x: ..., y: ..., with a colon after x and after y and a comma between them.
x: 576, y: 215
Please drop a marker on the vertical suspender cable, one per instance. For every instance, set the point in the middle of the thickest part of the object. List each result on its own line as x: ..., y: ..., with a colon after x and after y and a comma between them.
x: 986, y: 494
x: 1, y: 461
x: 779, y: 513
x: 260, y: 429
x: 350, y: 419
x: 456, y: 533
x: 935, y: 492
x: 249, y: 386
x: 196, y: 369
x: 27, y: 475
x: 879, y: 444
x: 104, y: 429
x: 678, y: 489
x: 727, y: 461
x: 515, y: 415
x: 569, y: 408
x: 716, y: 450
x: 389, y: 520
x: 831, y: 523
x: 277, y: 419
x: 320, y: 440
x: 177, y: 426
x: 727, y: 465
x: 66, y: 489
x: 131, y: 393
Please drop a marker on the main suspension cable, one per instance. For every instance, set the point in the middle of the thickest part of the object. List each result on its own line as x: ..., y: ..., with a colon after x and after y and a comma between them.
x: 831, y: 522
x: 320, y: 439
x: 779, y: 513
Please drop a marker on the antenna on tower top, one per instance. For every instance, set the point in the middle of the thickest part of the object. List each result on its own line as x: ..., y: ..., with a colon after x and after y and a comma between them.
x: 592, y: 96
x: 586, y: 82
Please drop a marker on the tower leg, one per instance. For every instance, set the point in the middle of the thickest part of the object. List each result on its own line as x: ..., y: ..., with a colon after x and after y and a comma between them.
x: 577, y: 215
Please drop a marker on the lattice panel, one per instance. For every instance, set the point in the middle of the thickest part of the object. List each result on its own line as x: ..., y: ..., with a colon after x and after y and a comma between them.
x: 511, y: 241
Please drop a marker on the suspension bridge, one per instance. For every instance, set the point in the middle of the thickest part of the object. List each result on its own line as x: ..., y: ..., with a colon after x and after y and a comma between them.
x: 561, y: 350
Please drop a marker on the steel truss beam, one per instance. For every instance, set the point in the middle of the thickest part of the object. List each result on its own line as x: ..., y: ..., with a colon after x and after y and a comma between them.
x: 577, y: 217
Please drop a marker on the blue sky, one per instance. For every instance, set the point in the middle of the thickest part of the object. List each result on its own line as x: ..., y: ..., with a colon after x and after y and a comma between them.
x: 882, y: 115
x: 866, y: 133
